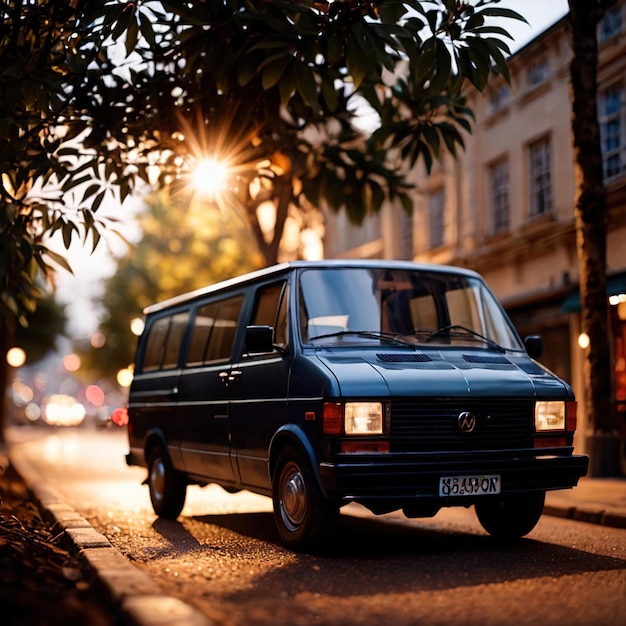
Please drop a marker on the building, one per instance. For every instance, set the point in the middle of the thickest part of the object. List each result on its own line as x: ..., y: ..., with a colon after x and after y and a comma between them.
x: 506, y: 207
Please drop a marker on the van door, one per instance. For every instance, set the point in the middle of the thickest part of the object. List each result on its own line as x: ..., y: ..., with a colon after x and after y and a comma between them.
x: 258, y: 401
x: 205, y: 388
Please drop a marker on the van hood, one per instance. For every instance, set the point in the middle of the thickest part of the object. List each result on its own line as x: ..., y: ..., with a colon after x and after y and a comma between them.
x: 440, y: 373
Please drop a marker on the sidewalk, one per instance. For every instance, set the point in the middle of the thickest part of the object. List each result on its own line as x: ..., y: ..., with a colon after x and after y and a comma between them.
x: 594, y: 500
x: 135, y: 598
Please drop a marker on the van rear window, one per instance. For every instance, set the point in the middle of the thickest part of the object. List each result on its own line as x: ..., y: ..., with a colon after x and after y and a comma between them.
x: 165, y: 337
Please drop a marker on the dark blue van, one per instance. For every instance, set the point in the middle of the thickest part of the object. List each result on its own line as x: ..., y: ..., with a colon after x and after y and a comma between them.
x: 391, y: 384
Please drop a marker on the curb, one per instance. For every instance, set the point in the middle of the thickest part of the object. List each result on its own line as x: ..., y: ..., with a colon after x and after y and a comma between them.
x: 138, y: 600
x: 589, y: 514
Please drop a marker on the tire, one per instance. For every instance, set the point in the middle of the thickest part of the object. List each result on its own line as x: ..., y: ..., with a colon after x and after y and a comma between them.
x: 168, y: 489
x: 511, y: 517
x: 302, y: 514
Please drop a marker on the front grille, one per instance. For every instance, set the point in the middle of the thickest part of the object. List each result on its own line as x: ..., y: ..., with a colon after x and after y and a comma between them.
x: 426, y: 425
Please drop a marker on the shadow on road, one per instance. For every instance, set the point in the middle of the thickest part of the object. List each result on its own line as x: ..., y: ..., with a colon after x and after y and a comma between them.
x: 379, y: 556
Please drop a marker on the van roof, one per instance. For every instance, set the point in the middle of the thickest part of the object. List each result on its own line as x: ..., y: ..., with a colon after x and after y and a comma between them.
x: 283, y: 267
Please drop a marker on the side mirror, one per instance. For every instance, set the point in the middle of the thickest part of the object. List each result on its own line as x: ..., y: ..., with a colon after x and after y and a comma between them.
x: 534, y: 346
x: 259, y: 339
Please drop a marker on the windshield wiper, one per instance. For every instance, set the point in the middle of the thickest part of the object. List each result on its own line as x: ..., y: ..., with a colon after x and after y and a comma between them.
x: 454, y: 330
x: 369, y: 334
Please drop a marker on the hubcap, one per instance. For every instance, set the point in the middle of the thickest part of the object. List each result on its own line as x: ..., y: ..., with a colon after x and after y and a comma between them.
x: 157, y: 480
x: 293, y: 497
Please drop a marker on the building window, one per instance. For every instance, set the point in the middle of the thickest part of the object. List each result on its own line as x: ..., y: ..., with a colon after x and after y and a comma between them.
x: 612, y: 113
x: 611, y: 24
x: 405, y: 248
x: 537, y: 73
x: 498, y: 98
x: 436, y: 222
x: 499, y: 195
x: 540, y: 178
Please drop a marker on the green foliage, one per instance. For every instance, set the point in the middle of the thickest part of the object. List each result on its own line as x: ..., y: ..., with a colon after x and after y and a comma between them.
x: 185, y: 245
x: 45, y: 324
x: 94, y: 93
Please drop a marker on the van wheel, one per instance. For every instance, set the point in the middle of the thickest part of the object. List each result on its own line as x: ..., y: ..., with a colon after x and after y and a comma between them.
x: 168, y: 488
x: 511, y: 517
x: 303, y: 515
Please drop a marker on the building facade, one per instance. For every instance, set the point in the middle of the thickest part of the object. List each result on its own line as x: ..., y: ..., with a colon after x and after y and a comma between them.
x: 505, y: 207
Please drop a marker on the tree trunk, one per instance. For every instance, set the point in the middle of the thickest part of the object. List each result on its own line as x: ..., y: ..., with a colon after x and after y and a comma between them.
x: 591, y: 221
x: 281, y: 198
x: 7, y: 341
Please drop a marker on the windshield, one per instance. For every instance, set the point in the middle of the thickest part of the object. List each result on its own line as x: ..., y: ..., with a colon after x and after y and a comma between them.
x: 361, y: 305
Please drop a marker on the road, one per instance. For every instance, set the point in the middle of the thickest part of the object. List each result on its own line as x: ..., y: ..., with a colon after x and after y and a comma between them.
x: 223, y: 555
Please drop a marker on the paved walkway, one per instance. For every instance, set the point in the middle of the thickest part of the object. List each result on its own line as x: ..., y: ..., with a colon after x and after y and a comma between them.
x: 594, y: 500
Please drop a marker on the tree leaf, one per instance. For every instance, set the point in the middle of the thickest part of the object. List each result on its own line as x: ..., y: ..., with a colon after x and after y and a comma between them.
x: 357, y: 61
x: 274, y: 70
x: 59, y: 260
x: 305, y: 84
x: 132, y: 36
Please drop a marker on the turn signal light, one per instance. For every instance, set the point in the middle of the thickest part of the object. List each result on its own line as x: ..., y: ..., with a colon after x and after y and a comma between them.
x: 550, y: 442
x: 571, y: 421
x: 332, y: 418
x: 363, y: 447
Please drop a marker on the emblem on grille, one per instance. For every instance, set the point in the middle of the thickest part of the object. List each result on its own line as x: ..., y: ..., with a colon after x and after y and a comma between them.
x: 466, y: 422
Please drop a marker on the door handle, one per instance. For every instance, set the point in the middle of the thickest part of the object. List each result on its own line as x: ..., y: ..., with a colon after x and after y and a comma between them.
x: 229, y: 377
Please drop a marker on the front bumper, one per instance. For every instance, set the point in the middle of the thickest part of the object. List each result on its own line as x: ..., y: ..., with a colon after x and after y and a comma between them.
x: 409, y: 477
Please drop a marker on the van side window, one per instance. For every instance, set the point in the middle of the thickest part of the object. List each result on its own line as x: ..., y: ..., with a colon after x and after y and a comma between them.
x: 178, y: 325
x: 202, y: 327
x: 214, y: 330
x: 155, y: 343
x: 270, y: 309
x: 164, y: 340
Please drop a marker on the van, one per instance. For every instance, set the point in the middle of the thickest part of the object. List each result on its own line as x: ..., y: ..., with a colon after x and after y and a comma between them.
x: 391, y: 384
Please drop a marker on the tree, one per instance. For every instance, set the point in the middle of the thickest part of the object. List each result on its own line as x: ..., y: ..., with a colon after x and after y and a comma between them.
x: 98, y: 96
x: 37, y: 339
x: 184, y: 246
x: 591, y: 221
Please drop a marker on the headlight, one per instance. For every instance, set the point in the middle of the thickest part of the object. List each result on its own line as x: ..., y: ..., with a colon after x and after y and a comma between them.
x: 364, y: 418
x: 549, y: 416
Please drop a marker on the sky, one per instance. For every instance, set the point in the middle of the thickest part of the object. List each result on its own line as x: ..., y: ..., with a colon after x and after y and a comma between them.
x: 540, y: 14
x: 89, y: 270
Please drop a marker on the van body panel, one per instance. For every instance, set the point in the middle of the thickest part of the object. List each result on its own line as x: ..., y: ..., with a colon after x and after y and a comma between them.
x: 203, y: 415
x: 153, y: 401
x: 455, y: 376
x: 258, y: 406
x: 356, y: 376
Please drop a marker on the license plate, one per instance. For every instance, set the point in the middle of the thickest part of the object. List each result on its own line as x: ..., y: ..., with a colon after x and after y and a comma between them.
x: 469, y: 485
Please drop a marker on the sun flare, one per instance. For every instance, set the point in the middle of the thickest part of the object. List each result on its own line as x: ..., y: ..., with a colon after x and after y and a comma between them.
x: 210, y: 177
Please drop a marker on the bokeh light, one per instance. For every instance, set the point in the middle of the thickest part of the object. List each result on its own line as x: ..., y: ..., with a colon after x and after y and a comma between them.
x: 95, y: 395
x: 136, y: 326
x: 16, y: 357
x: 71, y: 362
x: 125, y: 377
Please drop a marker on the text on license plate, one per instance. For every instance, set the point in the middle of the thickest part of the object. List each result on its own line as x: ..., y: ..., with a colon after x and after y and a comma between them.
x: 469, y: 485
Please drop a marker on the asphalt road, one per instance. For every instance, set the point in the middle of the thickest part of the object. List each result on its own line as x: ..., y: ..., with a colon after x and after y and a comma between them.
x: 223, y: 555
